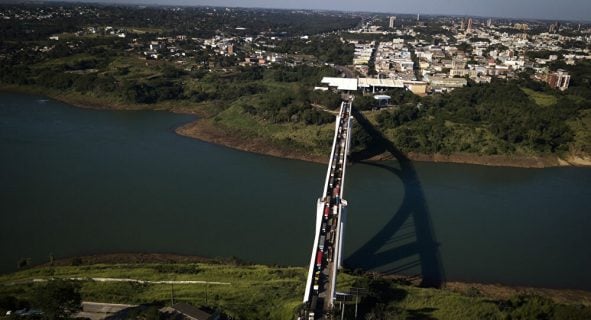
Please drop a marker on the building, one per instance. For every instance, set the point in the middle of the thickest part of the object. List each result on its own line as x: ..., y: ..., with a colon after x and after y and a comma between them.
x: 189, y: 312
x: 372, y: 85
x: 417, y: 87
x: 376, y: 85
x: 382, y: 99
x: 342, y: 84
x: 469, y: 28
x: 392, y: 21
x: 443, y: 84
x: 559, y: 79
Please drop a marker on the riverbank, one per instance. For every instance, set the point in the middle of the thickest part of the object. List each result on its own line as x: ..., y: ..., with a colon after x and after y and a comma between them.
x: 250, y: 291
x: 497, y: 291
x: 207, y: 130
x: 494, y: 160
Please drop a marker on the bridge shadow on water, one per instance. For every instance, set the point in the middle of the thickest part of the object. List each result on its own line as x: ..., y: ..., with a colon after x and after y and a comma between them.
x: 392, y: 249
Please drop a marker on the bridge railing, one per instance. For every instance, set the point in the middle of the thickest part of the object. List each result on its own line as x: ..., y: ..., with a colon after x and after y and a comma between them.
x: 331, y: 199
x: 319, y: 212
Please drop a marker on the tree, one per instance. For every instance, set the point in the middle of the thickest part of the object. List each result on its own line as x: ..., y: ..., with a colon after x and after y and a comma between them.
x: 327, y: 99
x: 58, y: 299
x: 8, y: 303
x: 365, y: 102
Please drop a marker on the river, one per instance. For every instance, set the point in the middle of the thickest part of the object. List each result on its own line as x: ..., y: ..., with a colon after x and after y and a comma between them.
x: 76, y: 181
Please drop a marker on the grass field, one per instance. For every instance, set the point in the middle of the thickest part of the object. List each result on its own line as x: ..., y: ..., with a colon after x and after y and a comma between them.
x: 265, y: 292
x: 247, y: 294
x: 541, y: 99
x: 313, y: 139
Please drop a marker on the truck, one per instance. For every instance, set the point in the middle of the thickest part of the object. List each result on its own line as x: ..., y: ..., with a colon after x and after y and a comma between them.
x: 336, y: 190
x: 321, y: 242
x: 313, y: 306
x: 319, y: 259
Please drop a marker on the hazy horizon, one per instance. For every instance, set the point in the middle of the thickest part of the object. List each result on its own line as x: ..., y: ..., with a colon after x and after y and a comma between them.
x: 573, y: 10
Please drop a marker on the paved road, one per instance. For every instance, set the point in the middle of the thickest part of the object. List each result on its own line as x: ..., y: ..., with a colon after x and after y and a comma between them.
x: 126, y: 280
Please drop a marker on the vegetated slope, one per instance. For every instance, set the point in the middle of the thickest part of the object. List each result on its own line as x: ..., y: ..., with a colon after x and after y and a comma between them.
x: 264, y: 292
x: 276, y: 103
x: 498, y: 118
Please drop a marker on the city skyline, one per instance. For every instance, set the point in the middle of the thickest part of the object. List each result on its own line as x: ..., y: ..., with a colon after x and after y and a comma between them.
x: 573, y: 10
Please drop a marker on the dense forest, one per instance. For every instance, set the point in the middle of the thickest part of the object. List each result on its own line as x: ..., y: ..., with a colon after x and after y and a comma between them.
x: 496, y: 118
x: 330, y: 49
x: 200, y: 22
x: 102, y: 66
x: 272, y: 104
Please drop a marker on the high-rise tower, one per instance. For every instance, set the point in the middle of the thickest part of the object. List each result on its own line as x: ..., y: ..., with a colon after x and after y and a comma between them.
x: 392, y: 22
x: 469, y: 29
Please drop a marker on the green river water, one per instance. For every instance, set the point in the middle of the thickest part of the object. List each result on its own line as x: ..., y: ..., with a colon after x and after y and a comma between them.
x: 75, y: 181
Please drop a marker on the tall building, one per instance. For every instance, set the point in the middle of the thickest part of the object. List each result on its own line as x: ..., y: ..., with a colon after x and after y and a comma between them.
x: 462, y: 25
x: 392, y: 21
x: 469, y: 29
x: 418, y: 16
x: 554, y: 28
x: 559, y: 79
x: 489, y: 22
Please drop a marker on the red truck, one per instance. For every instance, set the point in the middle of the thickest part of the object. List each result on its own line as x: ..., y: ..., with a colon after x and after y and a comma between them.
x: 336, y: 191
x: 319, y: 258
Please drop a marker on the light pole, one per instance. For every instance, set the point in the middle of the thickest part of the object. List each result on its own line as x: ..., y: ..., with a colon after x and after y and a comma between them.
x: 356, y: 292
x: 171, y: 294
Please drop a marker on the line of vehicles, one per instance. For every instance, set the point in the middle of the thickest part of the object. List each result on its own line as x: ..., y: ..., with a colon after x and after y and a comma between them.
x: 325, y: 252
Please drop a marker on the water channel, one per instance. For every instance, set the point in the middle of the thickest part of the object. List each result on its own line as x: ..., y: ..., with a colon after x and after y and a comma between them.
x: 76, y: 181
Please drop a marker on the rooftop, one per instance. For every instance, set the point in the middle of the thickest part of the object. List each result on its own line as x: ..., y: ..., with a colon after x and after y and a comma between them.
x: 340, y: 83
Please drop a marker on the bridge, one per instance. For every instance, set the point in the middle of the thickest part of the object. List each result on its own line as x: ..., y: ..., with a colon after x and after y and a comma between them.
x: 326, y: 257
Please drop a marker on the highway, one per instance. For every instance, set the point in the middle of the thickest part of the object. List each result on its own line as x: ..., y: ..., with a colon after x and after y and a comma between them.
x: 326, y: 257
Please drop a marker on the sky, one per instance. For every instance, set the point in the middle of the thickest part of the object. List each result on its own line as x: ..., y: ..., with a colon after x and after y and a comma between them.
x: 538, y: 9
